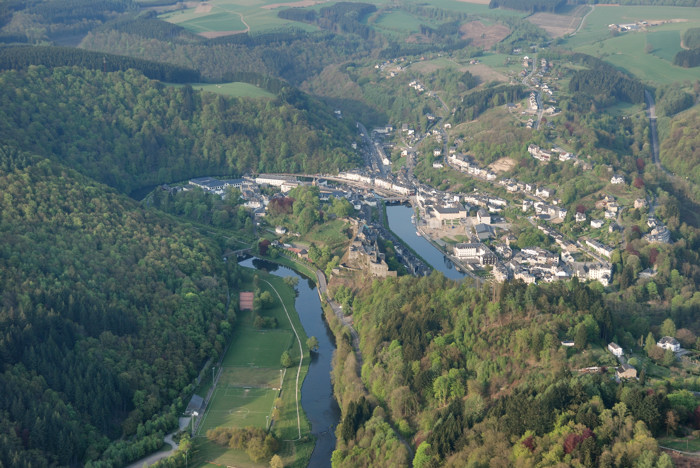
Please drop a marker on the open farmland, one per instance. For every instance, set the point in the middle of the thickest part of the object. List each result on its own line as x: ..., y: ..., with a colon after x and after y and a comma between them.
x: 483, y: 35
x: 558, y: 25
x: 224, y: 17
x: 627, y: 51
x: 665, y: 44
x: 595, y: 28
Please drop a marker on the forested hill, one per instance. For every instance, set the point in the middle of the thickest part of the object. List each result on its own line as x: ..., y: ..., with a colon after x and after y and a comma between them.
x: 21, y: 57
x: 107, y: 313
x: 478, y: 377
x: 129, y: 132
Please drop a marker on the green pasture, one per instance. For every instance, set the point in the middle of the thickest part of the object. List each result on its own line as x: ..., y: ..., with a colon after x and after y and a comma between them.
x: 238, y: 407
x: 627, y: 51
x: 473, y: 8
x: 233, y: 15
x: 665, y: 44
x: 331, y: 233
x: 235, y: 89
x: 596, y: 26
x: 216, y: 21
x: 400, y: 21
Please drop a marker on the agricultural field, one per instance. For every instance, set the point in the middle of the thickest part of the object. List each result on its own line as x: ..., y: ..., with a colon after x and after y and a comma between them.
x: 664, y: 44
x: 217, y: 18
x: 398, y: 22
x: 628, y: 51
x: 595, y: 28
x: 235, y: 89
x: 559, y: 25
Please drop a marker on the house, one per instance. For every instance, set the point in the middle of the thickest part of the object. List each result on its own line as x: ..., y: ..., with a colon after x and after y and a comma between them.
x: 483, y: 216
x: 615, y: 349
x: 668, y: 342
x: 597, y: 223
x: 543, y: 192
x: 616, y: 179
x: 625, y: 371
x: 580, y: 217
x: 280, y: 230
x: 599, y: 248
x: 640, y: 203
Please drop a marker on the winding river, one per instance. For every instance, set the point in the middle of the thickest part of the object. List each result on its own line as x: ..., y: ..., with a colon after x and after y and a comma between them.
x: 317, y: 398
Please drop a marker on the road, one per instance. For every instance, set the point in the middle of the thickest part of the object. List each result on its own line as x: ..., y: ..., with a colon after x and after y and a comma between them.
x: 375, y: 161
x: 151, y: 459
x: 338, y: 311
x: 583, y: 20
x: 651, y: 113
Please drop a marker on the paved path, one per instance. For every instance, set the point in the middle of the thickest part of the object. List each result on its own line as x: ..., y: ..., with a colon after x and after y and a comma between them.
x: 301, y: 355
x: 151, y: 459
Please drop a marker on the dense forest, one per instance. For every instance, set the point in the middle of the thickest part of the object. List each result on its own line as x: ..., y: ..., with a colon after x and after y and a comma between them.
x: 478, y: 377
x: 531, y: 6
x: 691, y: 38
x: 129, y: 132
x: 21, y: 57
x: 107, y: 314
x: 680, y: 151
x: 687, y: 58
x: 478, y: 101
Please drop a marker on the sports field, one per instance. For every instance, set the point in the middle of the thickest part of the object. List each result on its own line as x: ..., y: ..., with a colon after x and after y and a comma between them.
x: 249, y: 380
x: 238, y: 407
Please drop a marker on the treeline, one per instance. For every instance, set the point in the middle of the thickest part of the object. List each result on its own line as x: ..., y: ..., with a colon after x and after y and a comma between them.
x: 687, y: 58
x: 478, y: 377
x: 21, y: 57
x: 341, y: 17
x: 130, y: 132
x: 39, y: 21
x: 150, y: 26
x: 673, y: 101
x: 476, y: 102
x: 531, y: 6
x: 124, y: 308
x: 680, y: 150
x: 607, y: 83
x: 523, y: 35
x: 691, y: 38
x: 291, y: 55
x: 602, y: 80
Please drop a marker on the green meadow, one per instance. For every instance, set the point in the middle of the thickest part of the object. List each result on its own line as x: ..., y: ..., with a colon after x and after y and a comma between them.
x: 235, y: 89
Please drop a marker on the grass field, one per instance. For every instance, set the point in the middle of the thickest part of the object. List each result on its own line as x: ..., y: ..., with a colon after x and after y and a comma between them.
x: 232, y: 15
x: 249, y: 383
x: 238, y: 407
x: 235, y: 89
x: 259, y: 348
x: 665, y: 44
x: 398, y: 21
x: 627, y: 51
x: 596, y: 26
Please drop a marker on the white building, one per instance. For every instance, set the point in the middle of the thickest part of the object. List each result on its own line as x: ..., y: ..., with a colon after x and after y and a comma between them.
x: 668, y: 342
x: 615, y: 349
